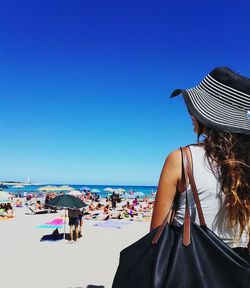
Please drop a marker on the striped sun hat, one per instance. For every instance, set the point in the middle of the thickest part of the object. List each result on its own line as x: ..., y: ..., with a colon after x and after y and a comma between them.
x: 221, y: 101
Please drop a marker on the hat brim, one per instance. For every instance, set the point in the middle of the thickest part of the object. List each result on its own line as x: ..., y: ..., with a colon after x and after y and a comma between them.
x: 214, y: 113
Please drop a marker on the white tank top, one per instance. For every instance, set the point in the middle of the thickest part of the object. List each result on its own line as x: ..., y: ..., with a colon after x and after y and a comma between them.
x: 211, y: 199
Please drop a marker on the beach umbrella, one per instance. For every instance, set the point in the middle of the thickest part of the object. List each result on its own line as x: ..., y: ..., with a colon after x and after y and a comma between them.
x: 109, y: 189
x: 128, y: 196
x: 95, y: 191
x: 65, y: 188
x: 119, y: 191
x: 46, y: 188
x: 85, y: 189
x: 55, y: 188
x: 5, y: 197
x: 75, y: 193
x: 65, y: 202
x: 140, y: 194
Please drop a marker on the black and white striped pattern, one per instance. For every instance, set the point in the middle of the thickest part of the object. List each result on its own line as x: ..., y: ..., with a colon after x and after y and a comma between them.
x: 219, y: 106
x: 226, y: 94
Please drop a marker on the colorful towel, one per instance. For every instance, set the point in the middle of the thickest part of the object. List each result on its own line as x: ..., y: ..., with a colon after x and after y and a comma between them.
x: 49, y: 226
x: 6, y: 217
x: 112, y: 224
x: 58, y: 221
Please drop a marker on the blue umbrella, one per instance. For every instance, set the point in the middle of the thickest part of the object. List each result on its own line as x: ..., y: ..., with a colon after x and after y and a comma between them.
x: 128, y: 196
x: 140, y: 194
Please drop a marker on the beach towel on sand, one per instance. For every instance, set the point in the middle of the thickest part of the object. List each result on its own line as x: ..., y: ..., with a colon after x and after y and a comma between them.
x: 49, y: 226
x: 56, y: 223
x: 112, y: 224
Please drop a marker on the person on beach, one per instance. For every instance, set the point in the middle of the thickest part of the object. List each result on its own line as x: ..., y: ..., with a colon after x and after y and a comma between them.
x: 105, y: 213
x: 136, y: 201
x: 3, y: 212
x: 113, y: 200
x: 9, y: 210
x: 220, y: 110
x: 73, y: 215
x: 38, y: 205
x: 18, y: 203
x: 81, y: 221
x: 92, y: 206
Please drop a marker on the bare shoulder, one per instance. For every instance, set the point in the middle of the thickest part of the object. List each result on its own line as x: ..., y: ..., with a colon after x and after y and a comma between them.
x: 171, y: 170
x: 173, y: 159
x: 174, y: 155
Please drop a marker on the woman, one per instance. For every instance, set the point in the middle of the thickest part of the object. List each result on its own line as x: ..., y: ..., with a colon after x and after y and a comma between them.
x: 18, y: 203
x: 220, y: 111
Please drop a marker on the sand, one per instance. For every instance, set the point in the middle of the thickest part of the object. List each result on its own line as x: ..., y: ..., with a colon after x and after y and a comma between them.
x: 28, y: 263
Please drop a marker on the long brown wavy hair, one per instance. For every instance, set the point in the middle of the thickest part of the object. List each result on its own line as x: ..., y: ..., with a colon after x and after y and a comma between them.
x: 231, y: 153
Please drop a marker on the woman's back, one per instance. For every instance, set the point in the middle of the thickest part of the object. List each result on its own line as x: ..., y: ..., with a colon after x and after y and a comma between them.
x: 212, y: 200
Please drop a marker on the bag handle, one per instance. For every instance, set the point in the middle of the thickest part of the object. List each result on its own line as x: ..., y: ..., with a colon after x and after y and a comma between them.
x: 186, y: 153
x: 186, y: 239
x: 188, y: 170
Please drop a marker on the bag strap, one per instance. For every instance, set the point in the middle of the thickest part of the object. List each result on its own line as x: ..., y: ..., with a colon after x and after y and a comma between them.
x: 186, y: 239
x: 187, y: 168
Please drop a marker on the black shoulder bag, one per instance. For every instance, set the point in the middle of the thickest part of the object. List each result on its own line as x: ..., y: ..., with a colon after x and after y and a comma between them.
x: 188, y: 256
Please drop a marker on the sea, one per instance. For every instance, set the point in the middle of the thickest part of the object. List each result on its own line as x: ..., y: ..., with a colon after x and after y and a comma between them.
x: 147, y: 190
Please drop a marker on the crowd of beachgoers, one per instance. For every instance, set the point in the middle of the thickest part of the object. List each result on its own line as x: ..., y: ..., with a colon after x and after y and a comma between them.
x: 36, y: 234
x: 36, y: 239
x: 114, y: 206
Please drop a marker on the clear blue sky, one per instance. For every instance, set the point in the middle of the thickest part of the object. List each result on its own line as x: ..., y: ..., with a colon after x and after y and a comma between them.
x: 84, y: 85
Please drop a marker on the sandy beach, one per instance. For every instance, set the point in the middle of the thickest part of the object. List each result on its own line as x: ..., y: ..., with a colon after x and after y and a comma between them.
x: 26, y: 262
